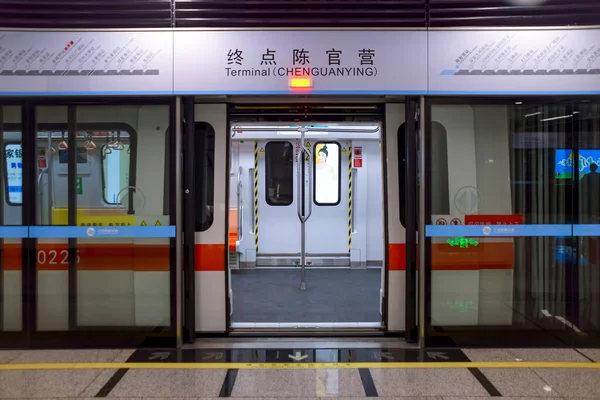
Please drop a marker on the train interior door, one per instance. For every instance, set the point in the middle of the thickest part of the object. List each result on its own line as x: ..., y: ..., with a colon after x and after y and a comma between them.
x: 306, y: 225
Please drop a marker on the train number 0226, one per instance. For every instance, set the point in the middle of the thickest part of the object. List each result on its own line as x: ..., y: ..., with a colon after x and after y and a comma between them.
x: 55, y: 257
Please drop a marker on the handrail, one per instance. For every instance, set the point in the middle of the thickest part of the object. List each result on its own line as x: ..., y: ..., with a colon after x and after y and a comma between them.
x: 283, y: 129
x: 310, y: 188
x: 39, y: 185
x: 299, y: 184
x: 252, y: 219
x: 240, y: 206
x: 354, y: 172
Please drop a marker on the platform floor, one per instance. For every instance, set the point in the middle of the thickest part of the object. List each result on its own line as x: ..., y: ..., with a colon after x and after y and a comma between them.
x: 198, y: 374
x: 331, y: 295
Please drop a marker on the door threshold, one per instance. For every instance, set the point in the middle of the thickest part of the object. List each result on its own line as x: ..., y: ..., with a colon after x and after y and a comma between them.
x: 307, y: 325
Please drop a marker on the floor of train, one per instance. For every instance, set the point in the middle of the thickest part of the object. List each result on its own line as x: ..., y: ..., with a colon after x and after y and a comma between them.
x: 332, y: 295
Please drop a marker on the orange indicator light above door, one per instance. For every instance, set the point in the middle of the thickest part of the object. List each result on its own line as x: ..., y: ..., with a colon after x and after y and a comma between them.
x: 300, y: 83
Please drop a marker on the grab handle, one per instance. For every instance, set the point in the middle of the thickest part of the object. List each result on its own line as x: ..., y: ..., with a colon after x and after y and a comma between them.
x: 299, y: 183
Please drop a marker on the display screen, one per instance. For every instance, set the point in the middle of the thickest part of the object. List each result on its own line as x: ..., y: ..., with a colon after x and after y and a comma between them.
x: 563, y: 168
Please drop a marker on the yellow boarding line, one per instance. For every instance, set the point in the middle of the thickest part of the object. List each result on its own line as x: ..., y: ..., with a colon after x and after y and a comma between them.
x: 233, y: 365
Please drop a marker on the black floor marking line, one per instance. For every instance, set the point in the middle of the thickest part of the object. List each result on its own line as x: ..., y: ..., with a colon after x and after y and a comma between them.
x: 112, y: 382
x: 228, y: 383
x: 367, y: 381
x: 485, y: 382
x: 577, y: 350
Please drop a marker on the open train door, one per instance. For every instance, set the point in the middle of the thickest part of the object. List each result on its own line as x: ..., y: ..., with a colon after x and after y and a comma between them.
x: 205, y: 297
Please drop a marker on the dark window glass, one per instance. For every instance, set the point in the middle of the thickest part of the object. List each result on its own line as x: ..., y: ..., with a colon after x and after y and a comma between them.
x: 204, y: 144
x: 279, y: 173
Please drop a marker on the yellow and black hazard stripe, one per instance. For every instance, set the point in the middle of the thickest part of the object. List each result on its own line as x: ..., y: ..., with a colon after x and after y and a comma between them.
x: 256, y: 195
x: 349, y: 198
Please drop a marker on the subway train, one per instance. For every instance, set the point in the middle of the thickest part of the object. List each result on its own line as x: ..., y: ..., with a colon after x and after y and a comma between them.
x: 303, y: 195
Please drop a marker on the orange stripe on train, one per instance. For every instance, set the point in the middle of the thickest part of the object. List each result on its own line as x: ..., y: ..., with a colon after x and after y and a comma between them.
x: 93, y: 257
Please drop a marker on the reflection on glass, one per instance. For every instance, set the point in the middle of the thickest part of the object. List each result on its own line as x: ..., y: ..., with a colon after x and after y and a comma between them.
x: 532, y: 164
x: 326, y: 173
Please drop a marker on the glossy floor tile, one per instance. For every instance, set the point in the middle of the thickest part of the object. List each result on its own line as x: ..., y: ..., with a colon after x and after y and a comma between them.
x: 548, y: 355
x: 298, y: 383
x: 48, y: 383
x: 594, y: 354
x: 170, y: 383
x: 519, y: 382
x: 66, y: 356
x: 572, y: 382
x: 426, y: 382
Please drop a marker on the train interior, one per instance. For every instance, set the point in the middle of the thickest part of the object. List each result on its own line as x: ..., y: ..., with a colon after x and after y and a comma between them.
x: 306, y: 237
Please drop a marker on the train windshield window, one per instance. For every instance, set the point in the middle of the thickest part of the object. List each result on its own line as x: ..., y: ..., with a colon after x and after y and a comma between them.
x: 327, y: 173
x: 14, y: 173
x: 279, y: 173
x: 115, y: 172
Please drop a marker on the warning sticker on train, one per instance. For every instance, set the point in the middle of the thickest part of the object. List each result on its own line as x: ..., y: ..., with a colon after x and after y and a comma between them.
x: 262, y: 151
x: 456, y: 221
x: 441, y: 221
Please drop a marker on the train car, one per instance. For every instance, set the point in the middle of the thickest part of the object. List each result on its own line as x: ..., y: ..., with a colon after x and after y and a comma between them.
x: 330, y: 176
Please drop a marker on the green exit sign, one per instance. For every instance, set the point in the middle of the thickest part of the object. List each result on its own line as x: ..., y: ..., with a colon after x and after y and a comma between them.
x: 79, y: 185
x: 462, y: 306
x: 462, y: 242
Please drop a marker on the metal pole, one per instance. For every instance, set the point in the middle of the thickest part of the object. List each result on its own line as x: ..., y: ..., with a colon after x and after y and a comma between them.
x: 178, y: 223
x: 303, y: 217
x: 424, y: 181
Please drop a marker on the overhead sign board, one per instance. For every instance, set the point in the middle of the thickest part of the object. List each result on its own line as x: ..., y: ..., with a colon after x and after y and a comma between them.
x: 335, y: 62
x: 71, y: 63
x: 514, y: 62
x: 354, y: 62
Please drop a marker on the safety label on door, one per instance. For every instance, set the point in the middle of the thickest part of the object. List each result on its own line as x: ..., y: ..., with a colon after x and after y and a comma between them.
x: 262, y: 151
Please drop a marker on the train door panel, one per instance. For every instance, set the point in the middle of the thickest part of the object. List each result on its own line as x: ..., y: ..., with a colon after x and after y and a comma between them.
x: 210, y: 245
x: 278, y: 223
x: 327, y: 235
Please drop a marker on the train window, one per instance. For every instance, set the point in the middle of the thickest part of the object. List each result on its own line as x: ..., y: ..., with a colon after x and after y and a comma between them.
x: 279, y: 173
x: 204, y: 143
x: 115, y: 172
x: 327, y: 173
x: 402, y: 171
x: 82, y: 156
x: 14, y: 173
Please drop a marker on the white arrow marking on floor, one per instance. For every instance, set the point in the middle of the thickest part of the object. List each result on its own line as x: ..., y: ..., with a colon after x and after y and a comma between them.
x: 298, y: 357
x: 214, y: 356
x: 161, y: 355
x: 387, y: 355
x: 436, y: 354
